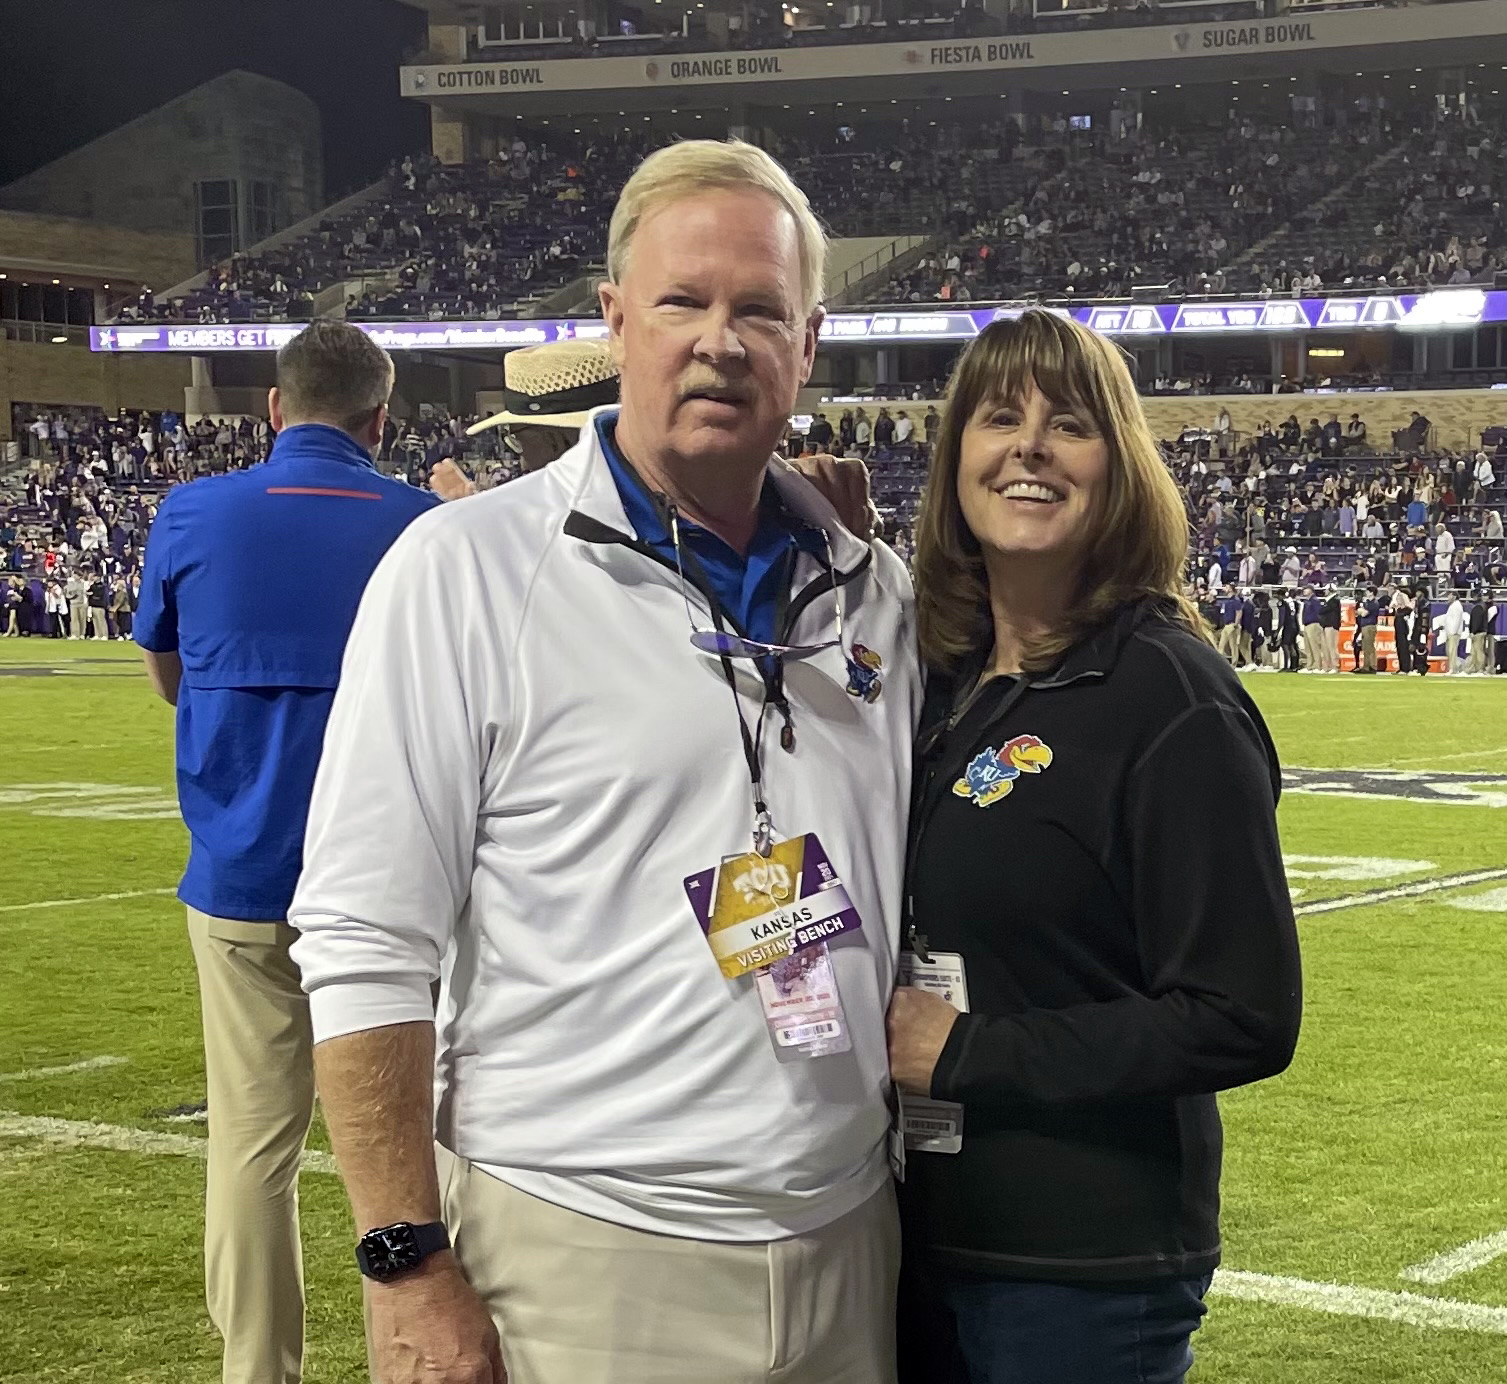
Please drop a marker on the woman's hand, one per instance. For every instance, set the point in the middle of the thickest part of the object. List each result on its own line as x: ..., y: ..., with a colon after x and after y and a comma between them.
x: 918, y: 1024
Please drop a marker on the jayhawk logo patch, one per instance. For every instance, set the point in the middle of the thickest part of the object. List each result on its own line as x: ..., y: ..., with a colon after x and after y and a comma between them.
x: 864, y: 667
x: 991, y: 774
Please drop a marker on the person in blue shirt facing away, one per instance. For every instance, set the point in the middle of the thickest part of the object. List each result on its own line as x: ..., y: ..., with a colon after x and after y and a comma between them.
x: 1313, y: 630
x: 250, y: 588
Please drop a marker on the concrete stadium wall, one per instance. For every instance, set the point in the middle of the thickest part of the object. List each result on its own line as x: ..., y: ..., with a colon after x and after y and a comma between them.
x: 69, y: 246
x: 48, y: 374
x: 143, y: 175
x: 1458, y: 415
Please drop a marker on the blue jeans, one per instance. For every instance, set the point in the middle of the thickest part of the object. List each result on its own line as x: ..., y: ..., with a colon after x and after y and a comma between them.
x: 1001, y: 1331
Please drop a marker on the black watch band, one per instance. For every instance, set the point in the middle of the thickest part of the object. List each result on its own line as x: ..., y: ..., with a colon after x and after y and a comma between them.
x: 393, y: 1250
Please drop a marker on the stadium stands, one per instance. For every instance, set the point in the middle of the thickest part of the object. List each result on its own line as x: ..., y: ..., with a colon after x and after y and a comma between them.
x: 1044, y: 210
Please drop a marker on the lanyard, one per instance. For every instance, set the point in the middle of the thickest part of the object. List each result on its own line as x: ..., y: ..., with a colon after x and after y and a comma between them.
x: 772, y: 677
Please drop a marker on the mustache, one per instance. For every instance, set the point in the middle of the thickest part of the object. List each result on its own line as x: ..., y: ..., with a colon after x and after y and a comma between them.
x: 712, y: 382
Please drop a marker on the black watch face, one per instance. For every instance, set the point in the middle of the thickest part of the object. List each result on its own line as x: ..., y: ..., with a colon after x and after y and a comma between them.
x: 390, y: 1251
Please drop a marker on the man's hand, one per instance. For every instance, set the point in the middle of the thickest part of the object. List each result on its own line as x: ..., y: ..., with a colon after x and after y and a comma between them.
x: 430, y: 1327
x: 844, y: 481
x: 918, y: 1024
x: 449, y: 482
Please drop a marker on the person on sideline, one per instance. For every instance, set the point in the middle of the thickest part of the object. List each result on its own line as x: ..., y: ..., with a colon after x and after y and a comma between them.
x: 1313, y: 631
x: 1331, y: 616
x: 1368, y: 607
x: 1094, y: 865
x: 247, y: 645
x: 608, y: 717
x: 1402, y: 628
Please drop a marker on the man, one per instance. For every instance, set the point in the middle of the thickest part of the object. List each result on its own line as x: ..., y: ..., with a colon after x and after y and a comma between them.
x: 1287, y: 630
x: 930, y: 423
x: 549, y: 391
x: 77, y: 592
x: 1483, y: 474
x: 1444, y: 558
x: 1452, y: 624
x: 1229, y: 625
x: 247, y: 644
x: 905, y: 430
x: 1313, y: 631
x: 1355, y: 434
x: 1367, y: 616
x: 1292, y: 568
x: 821, y: 433
x: 1333, y: 436
x: 653, y: 1175
x: 1482, y: 659
x: 99, y: 603
x: 1330, y: 618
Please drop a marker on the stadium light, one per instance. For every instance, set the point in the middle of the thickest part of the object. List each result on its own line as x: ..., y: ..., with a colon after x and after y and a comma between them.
x: 59, y: 340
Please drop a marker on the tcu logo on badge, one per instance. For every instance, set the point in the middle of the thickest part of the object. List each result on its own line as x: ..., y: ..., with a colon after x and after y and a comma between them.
x: 991, y: 774
x: 766, y: 879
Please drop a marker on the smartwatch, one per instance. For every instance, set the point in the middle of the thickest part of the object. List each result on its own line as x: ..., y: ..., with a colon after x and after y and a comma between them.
x: 393, y: 1250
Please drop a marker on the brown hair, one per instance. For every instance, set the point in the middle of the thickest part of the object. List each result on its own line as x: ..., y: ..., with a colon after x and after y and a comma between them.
x: 332, y: 372
x: 1138, y: 540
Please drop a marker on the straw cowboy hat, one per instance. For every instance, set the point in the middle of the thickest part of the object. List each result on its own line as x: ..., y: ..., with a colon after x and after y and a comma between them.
x: 555, y: 385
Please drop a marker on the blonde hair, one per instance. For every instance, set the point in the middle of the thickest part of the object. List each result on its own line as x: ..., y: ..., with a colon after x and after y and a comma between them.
x: 1137, y: 544
x: 699, y: 165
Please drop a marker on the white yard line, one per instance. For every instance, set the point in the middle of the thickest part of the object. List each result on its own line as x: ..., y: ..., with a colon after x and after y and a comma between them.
x: 1342, y: 1300
x: 1462, y: 1260
x: 89, y: 1064
x: 1400, y: 891
x: 1411, y: 1309
x: 93, y: 898
x: 1430, y: 761
x: 123, y: 1139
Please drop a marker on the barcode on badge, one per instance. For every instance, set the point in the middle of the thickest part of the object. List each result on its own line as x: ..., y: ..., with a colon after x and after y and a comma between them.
x: 805, y: 1033
x: 915, y: 1126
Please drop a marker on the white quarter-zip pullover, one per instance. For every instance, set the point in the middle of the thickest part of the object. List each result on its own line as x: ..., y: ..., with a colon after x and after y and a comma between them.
x: 525, y: 760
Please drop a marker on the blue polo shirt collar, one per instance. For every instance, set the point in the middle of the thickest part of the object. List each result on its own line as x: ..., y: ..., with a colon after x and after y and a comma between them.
x: 322, y: 442
x: 747, y: 587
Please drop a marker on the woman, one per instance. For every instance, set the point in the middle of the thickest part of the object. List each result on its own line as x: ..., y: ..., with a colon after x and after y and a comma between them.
x: 1094, y: 851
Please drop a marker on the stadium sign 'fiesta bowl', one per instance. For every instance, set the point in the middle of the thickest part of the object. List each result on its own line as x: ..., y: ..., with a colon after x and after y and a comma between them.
x: 1439, y: 311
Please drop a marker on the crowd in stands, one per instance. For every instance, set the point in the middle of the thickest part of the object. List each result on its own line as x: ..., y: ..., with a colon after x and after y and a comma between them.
x: 1031, y: 208
x: 1247, y: 208
x: 1305, y: 512
x: 73, y: 523
x: 1321, y: 504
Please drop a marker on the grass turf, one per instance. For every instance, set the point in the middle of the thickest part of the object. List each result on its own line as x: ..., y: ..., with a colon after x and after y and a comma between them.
x: 1383, y: 1145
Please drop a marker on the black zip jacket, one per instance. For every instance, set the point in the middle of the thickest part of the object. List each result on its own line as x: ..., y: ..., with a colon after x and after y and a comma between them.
x: 1129, y: 945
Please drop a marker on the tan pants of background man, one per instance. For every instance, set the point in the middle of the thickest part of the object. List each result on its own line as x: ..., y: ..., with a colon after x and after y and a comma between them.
x: 1229, y: 642
x: 1313, y: 647
x: 259, y: 1060
x: 1331, y: 649
x: 1480, y: 653
x: 1368, y: 648
x: 583, y: 1301
x: 78, y: 619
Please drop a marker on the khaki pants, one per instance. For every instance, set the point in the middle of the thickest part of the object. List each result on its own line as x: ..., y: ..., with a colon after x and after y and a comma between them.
x: 78, y: 619
x: 1313, y: 647
x: 1368, y: 648
x: 97, y: 624
x: 1480, y: 653
x: 582, y: 1301
x: 1331, y: 649
x: 1229, y: 642
x: 258, y: 1057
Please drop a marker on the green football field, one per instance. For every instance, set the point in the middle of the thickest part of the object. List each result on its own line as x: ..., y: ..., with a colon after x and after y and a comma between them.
x: 1365, y: 1190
